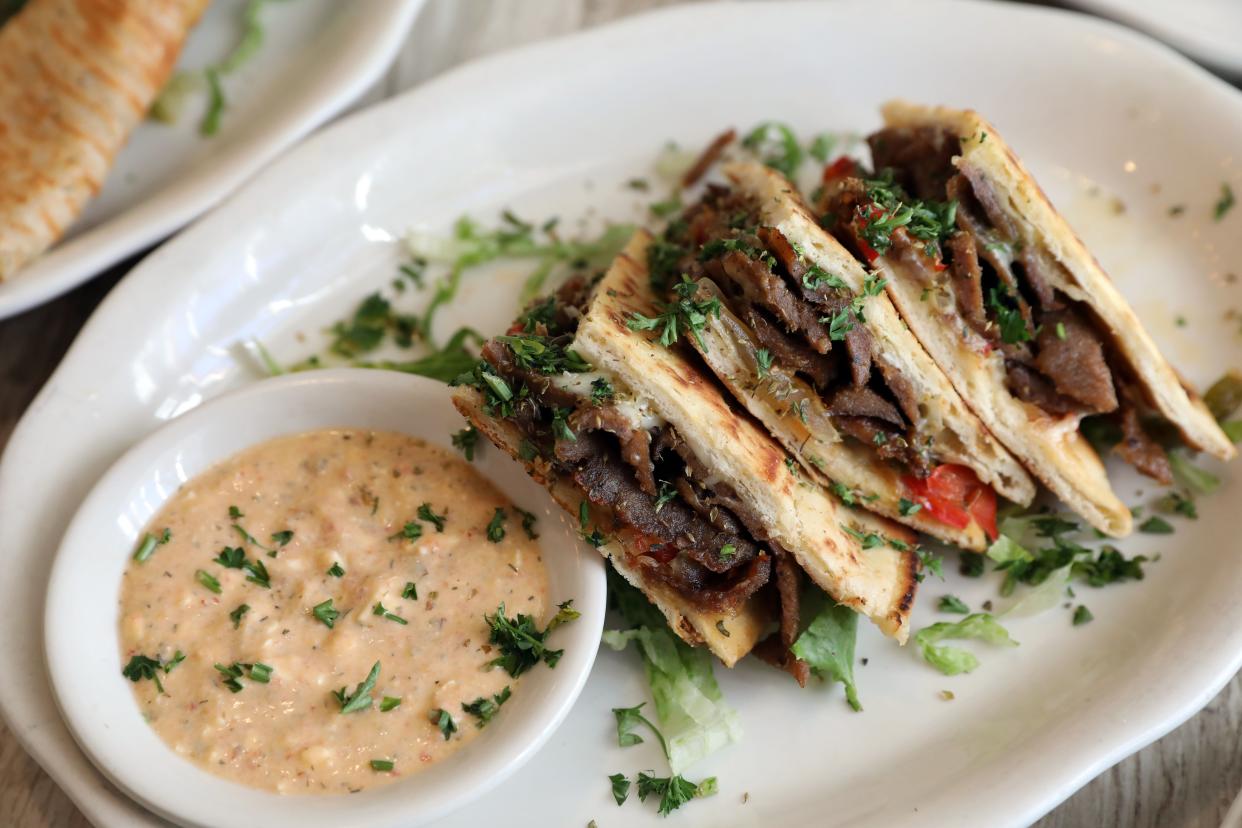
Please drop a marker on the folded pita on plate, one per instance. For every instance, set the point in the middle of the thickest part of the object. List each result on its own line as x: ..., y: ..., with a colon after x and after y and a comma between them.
x: 811, y: 345
x: 689, y: 499
x: 75, y: 79
x: 1008, y: 301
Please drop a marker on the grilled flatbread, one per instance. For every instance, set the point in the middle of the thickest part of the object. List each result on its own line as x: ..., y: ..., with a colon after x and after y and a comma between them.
x: 1029, y: 328
x: 661, y: 406
x: 75, y: 79
x: 841, y: 383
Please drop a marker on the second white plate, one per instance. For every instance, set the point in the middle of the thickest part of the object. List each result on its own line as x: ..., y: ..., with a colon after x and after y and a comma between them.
x: 317, y: 57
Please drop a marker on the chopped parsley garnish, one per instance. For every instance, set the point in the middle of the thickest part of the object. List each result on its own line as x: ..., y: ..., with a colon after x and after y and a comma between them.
x: 543, y: 355
x: 528, y: 522
x: 206, y: 579
x: 601, y: 391
x: 845, y: 493
x: 389, y: 703
x: 1009, y: 319
x: 142, y: 667
x: 425, y: 513
x: 232, y: 676
x: 1082, y: 615
x: 951, y: 603
x: 235, y: 513
x: 674, y: 791
x: 777, y: 146
x: 412, y: 531
x: 382, y: 611
x: 763, y: 362
x: 908, y: 507
x: 282, y: 538
x: 527, y: 450
x: 727, y: 551
x: 360, y: 699
x: 326, y: 613
x: 560, y: 425
x: 231, y: 557
x: 496, y: 526
x: 1156, y: 525
x: 686, y: 315
x: 869, y: 540
x: 665, y: 494
x: 257, y: 573
x: 565, y: 613
x: 1225, y: 203
x: 1061, y: 334
x: 816, y: 278
x: 410, y: 592
x: 441, y: 719
x: 628, y: 719
x: 1179, y: 504
x: 236, y: 615
x: 498, y: 396
x: 892, y: 207
x: 484, y: 709
x: 520, y: 642
x: 336, y: 571
x: 233, y: 673
x: 149, y: 543
x: 839, y: 324
x: 382, y: 765
x: 931, y: 562
x: 620, y: 787
x: 466, y: 440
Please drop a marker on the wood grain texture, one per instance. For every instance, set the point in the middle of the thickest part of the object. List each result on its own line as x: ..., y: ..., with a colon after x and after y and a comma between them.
x: 1185, y: 780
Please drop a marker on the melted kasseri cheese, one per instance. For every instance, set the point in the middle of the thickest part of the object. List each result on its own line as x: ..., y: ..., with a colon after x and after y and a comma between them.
x: 343, y: 494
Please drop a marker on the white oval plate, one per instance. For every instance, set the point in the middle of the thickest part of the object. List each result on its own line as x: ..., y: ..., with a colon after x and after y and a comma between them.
x: 83, y: 648
x: 317, y: 57
x: 557, y: 129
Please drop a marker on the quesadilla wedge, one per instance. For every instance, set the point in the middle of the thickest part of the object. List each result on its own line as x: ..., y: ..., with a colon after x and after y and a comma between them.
x: 75, y: 79
x: 1008, y: 301
x: 810, y: 344
x: 689, y: 499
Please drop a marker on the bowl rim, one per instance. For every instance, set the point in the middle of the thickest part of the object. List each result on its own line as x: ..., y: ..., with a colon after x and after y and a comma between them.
x: 180, y: 790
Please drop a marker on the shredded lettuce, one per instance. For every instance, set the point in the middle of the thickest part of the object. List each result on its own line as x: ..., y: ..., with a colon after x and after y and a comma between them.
x: 1005, y: 549
x: 827, y: 643
x: 1190, y: 475
x: 693, y: 716
x: 1043, y: 597
x: 953, y: 660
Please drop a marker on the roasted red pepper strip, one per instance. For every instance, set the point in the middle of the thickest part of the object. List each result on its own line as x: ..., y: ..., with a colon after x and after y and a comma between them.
x: 954, y: 496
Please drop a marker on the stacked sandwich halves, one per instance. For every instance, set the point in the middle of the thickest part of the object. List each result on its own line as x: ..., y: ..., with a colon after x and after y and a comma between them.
x: 772, y: 388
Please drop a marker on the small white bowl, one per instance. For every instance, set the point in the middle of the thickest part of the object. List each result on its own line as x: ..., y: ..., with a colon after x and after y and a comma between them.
x: 81, y: 631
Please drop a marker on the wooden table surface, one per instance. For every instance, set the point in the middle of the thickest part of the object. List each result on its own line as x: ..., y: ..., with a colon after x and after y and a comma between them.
x: 1185, y: 780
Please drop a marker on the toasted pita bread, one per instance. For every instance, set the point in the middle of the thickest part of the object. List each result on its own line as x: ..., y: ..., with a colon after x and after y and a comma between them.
x: 801, y: 517
x: 879, y: 583
x: 695, y: 626
x: 1052, y: 447
x: 75, y: 79
x: 957, y: 434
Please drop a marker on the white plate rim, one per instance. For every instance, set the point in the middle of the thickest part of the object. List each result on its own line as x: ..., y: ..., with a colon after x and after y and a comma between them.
x: 83, y: 257
x: 1152, y: 727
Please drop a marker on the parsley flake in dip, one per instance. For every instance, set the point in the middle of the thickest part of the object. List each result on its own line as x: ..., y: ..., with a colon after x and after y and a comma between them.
x: 329, y: 611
